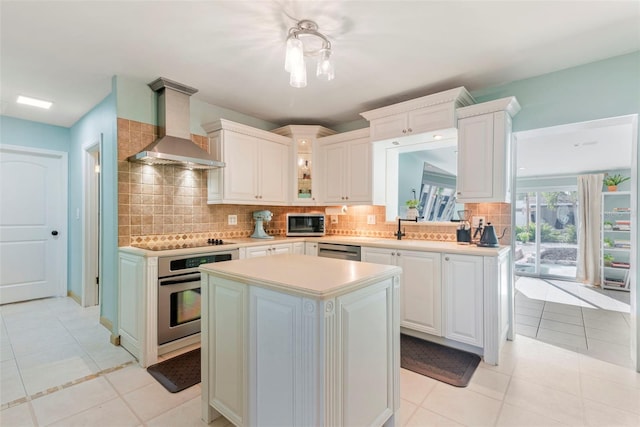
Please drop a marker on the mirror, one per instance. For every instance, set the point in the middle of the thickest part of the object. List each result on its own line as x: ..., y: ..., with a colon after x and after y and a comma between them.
x: 422, y: 167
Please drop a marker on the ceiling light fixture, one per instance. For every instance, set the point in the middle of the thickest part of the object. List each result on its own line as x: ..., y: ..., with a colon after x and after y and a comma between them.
x: 317, y: 44
x: 34, y: 102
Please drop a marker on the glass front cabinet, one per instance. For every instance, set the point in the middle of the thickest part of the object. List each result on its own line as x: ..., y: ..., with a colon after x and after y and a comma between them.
x: 306, y: 185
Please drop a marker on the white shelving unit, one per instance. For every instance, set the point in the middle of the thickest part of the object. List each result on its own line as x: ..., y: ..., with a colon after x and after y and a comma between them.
x: 616, y: 240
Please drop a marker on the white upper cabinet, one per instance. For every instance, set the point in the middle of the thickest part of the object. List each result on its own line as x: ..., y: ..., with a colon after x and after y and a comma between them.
x: 257, y: 167
x: 484, y: 151
x: 305, y: 170
x: 346, y: 168
x: 420, y: 115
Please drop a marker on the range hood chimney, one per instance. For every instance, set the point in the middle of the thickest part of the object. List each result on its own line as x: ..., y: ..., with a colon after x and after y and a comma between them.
x: 174, y: 146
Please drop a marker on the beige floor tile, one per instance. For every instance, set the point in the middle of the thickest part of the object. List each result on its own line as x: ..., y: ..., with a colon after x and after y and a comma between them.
x: 424, y: 417
x: 610, y: 393
x: 17, y: 416
x: 560, y: 377
x: 407, y: 409
x: 152, y: 400
x: 564, y: 318
x: 609, y: 352
x: 523, y: 319
x: 557, y: 405
x: 39, y: 340
x: 528, y: 311
x: 620, y: 336
x: 415, y: 387
x: 489, y: 383
x: 113, y: 412
x: 107, y: 355
x: 609, y: 371
x: 511, y: 416
x: 562, y: 327
x: 130, y: 378
x: 462, y: 405
x: 562, y: 339
x: 606, y: 323
x: 11, y: 386
x: 187, y: 414
x: 73, y: 400
x: 526, y: 330
x: 598, y: 415
x: 570, y: 310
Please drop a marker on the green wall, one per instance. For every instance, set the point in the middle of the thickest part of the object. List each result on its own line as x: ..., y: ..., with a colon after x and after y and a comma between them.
x: 26, y: 133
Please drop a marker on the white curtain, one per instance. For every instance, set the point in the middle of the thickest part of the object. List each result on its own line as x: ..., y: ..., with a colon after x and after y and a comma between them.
x: 589, y: 213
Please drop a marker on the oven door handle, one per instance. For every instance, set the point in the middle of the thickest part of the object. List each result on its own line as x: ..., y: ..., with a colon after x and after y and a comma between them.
x: 195, y: 277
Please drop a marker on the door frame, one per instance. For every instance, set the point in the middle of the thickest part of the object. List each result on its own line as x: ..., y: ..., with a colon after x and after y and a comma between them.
x: 92, y: 188
x: 63, y: 228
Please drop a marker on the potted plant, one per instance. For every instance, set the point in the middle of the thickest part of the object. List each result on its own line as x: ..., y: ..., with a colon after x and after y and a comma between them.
x: 413, y: 205
x: 608, y: 225
x: 612, y: 181
x: 608, y: 242
x: 608, y: 259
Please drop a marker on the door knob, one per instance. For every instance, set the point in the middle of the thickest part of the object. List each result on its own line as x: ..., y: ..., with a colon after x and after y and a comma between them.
x: 54, y: 233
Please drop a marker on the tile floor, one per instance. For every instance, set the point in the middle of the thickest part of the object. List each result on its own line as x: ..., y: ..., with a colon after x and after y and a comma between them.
x: 536, y: 384
x: 576, y: 317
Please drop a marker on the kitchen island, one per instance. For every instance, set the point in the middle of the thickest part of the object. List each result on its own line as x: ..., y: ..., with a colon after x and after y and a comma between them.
x: 298, y: 340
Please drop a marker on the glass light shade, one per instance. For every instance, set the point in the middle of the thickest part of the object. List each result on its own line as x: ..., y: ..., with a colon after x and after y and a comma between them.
x: 294, y: 55
x: 325, y: 65
x: 298, y: 77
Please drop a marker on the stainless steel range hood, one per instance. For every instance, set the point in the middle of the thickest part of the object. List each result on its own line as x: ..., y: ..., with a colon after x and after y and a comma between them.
x: 174, y: 146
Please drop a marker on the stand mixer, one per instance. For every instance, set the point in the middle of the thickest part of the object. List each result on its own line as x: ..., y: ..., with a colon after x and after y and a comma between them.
x: 261, y: 217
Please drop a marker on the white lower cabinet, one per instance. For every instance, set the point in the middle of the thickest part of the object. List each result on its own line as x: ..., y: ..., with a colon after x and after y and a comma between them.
x: 311, y: 248
x: 420, y: 290
x: 275, y: 249
x: 298, y: 248
x: 463, y: 292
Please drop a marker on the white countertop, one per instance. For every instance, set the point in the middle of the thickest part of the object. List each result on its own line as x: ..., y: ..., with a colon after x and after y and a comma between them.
x: 407, y: 244
x: 303, y: 275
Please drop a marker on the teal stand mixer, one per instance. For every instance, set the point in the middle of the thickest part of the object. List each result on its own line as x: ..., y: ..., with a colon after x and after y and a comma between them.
x: 260, y: 218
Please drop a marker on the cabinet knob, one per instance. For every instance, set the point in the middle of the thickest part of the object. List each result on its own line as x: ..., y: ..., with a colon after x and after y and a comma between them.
x: 393, y: 254
x: 346, y: 198
x: 458, y: 192
x: 260, y: 197
x: 410, y: 130
x: 404, y: 131
x: 446, y: 258
x: 398, y: 254
x: 255, y: 196
x: 54, y: 233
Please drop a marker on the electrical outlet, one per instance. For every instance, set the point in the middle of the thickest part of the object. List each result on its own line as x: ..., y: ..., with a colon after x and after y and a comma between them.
x: 334, y: 219
x: 371, y: 219
x: 475, y: 221
x: 232, y: 219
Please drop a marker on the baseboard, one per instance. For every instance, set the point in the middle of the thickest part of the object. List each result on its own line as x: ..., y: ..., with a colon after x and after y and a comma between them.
x: 114, y: 339
x: 75, y: 297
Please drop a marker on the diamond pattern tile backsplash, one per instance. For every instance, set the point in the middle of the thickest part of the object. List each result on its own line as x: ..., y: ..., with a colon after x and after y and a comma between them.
x: 168, y: 203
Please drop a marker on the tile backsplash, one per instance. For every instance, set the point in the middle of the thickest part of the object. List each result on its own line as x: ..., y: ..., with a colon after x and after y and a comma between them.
x: 158, y: 203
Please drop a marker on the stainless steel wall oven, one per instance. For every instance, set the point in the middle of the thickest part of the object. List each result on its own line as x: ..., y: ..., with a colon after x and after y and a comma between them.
x: 179, y: 293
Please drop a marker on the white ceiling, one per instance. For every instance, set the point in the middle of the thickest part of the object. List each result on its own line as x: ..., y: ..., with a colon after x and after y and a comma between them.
x: 233, y: 51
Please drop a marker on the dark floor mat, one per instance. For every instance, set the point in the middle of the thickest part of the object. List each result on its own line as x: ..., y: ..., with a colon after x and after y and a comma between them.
x: 436, y: 361
x: 179, y: 372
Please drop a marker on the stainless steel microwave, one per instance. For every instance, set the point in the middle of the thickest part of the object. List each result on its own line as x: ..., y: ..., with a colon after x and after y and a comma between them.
x: 305, y: 224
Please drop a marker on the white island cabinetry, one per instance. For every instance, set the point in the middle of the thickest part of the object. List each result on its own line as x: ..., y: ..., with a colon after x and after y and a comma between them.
x: 316, y: 346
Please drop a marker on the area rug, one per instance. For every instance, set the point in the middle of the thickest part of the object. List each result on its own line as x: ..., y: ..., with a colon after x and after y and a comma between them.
x: 436, y: 361
x: 178, y: 373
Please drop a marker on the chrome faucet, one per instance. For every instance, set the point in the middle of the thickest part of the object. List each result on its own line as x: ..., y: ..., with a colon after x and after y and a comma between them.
x: 401, y: 233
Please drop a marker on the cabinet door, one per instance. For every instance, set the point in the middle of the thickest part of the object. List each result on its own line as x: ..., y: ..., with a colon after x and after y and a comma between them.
x: 298, y: 248
x: 475, y: 158
x: 311, y: 248
x: 241, y: 173
x: 358, y: 172
x: 334, y: 164
x: 256, y: 251
x: 388, y: 127
x: 378, y: 256
x: 285, y: 248
x: 421, y: 299
x: 463, y: 298
x: 431, y: 118
x: 273, y: 181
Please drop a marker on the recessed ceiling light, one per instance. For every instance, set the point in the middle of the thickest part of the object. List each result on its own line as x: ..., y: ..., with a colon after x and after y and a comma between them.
x: 34, y: 102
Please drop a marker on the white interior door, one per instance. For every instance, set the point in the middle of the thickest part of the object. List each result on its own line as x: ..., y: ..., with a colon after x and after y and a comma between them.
x: 33, y: 224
